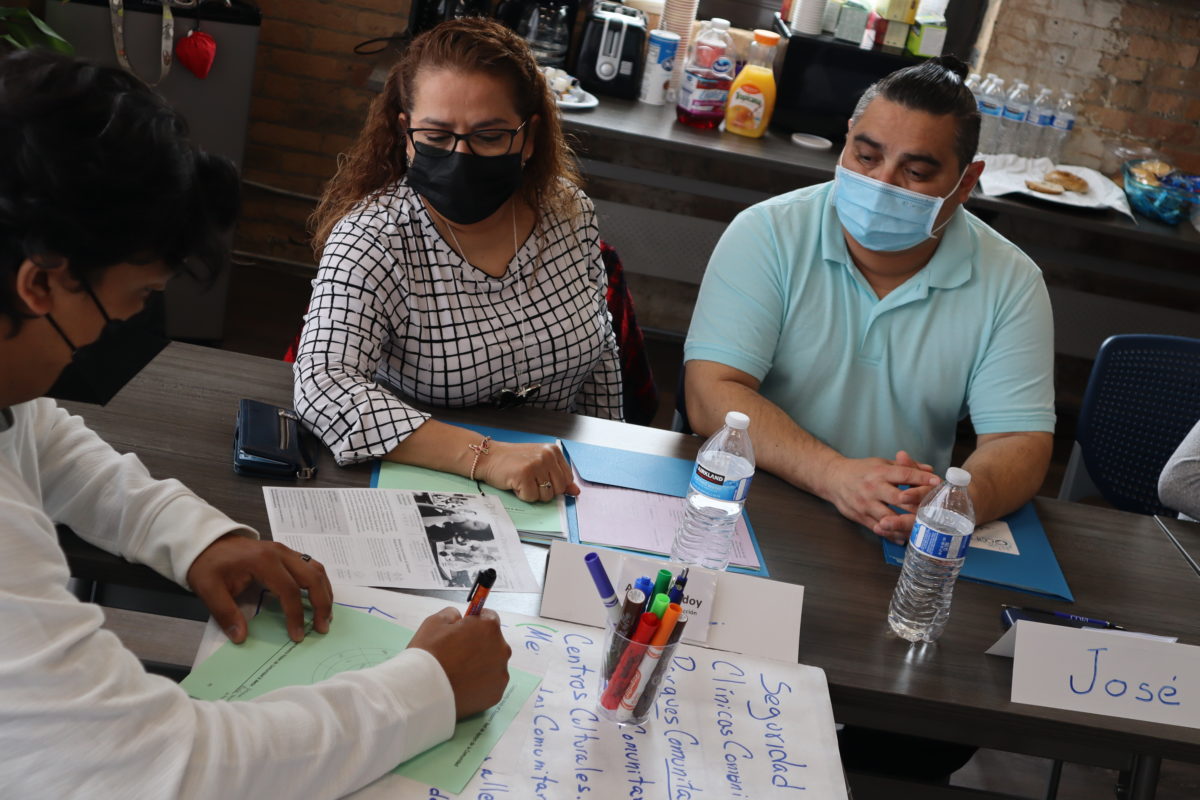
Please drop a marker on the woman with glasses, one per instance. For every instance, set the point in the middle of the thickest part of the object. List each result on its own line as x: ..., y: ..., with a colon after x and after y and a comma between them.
x: 460, y: 265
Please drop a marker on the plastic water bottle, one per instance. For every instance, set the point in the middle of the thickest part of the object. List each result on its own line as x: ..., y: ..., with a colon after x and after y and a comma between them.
x: 972, y: 82
x: 1038, y: 120
x: 1060, y: 131
x: 936, y: 550
x: 991, y: 107
x: 724, y: 467
x: 1016, y: 106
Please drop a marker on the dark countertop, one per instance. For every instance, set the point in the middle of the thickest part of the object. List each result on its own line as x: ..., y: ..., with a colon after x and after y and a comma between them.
x: 642, y: 126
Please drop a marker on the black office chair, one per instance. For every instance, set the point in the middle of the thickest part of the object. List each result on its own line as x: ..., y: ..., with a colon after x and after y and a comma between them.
x: 1142, y: 398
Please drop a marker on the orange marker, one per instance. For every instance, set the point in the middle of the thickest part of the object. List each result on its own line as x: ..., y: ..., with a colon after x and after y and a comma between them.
x: 479, y: 592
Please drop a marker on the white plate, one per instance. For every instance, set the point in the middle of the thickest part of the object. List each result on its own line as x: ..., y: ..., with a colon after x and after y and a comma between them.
x: 577, y: 100
x: 1006, y: 174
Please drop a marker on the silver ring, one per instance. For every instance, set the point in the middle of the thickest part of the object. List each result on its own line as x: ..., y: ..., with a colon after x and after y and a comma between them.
x: 546, y: 485
x: 305, y: 557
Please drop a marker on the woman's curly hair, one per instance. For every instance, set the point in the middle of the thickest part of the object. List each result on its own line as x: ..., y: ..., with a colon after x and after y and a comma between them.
x: 377, y: 159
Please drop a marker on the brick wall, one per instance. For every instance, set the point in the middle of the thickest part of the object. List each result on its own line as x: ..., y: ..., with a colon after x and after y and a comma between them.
x: 1131, y: 63
x: 309, y: 102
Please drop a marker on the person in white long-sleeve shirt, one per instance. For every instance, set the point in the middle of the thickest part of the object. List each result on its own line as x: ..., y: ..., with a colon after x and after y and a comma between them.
x: 101, y: 200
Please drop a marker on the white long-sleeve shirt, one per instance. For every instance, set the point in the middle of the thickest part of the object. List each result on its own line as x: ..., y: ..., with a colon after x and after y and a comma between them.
x: 79, y: 717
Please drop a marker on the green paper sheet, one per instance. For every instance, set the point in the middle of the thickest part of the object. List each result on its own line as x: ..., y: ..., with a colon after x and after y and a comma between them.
x: 269, y: 660
x: 533, y: 518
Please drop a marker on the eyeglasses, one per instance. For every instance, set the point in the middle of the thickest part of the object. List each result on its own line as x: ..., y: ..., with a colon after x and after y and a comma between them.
x: 489, y: 142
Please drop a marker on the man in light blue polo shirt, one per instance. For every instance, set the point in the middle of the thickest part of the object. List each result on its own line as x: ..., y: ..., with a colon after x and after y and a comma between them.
x: 857, y: 321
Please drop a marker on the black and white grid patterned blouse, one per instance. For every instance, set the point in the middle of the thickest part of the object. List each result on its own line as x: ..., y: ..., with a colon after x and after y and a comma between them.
x: 394, y: 304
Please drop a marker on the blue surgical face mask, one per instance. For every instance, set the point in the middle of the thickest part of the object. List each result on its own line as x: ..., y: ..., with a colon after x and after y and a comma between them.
x: 883, y: 217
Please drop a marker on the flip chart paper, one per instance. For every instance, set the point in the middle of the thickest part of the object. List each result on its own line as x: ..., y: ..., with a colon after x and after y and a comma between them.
x: 269, y: 660
x: 1078, y: 669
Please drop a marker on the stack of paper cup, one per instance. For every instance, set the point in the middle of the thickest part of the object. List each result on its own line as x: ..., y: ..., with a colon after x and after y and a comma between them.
x: 806, y: 16
x: 678, y: 16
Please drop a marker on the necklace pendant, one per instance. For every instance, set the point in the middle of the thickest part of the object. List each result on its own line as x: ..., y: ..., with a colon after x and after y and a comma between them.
x: 510, y: 398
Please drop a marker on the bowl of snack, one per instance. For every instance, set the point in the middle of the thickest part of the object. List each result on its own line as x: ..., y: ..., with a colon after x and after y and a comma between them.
x: 1159, y: 191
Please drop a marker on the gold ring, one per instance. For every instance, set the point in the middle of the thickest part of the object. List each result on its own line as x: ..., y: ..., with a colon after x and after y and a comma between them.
x: 546, y: 485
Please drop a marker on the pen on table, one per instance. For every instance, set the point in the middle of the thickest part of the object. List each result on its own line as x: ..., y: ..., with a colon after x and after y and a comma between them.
x: 635, y: 603
x: 604, y: 587
x: 639, y: 684
x: 479, y: 592
x: 1099, y: 623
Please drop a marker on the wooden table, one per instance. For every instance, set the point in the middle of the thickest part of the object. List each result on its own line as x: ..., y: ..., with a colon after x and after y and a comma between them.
x: 1185, y: 535
x: 178, y: 416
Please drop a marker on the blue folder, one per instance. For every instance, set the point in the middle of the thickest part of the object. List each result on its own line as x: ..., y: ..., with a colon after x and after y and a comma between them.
x: 1035, y: 570
x: 614, y: 467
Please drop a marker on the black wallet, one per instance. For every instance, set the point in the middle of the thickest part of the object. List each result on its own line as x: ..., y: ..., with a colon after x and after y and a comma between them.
x: 268, y: 443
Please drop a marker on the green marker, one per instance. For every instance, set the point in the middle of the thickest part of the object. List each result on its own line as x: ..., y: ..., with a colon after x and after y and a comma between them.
x: 661, y: 584
x: 659, y: 605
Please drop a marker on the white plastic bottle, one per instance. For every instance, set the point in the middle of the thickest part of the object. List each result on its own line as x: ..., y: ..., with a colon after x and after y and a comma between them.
x: 720, y: 481
x: 936, y: 550
x: 1038, y: 120
x: 1016, y: 106
x: 1064, y: 123
x: 990, y: 100
x: 707, y: 76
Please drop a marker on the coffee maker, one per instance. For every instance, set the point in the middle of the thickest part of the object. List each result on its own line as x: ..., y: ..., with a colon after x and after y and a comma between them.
x: 611, y: 57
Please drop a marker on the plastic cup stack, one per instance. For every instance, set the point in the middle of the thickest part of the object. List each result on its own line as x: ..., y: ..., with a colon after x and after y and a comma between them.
x: 807, y: 16
x: 678, y: 16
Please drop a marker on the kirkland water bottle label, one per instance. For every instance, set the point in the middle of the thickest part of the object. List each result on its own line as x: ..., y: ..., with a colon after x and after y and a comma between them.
x: 1045, y: 119
x: 716, y: 486
x: 1064, y: 124
x: 991, y: 109
x: 935, y: 544
x: 1015, y: 114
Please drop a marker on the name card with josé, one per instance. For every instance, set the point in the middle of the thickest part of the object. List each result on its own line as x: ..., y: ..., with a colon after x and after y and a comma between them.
x: 1099, y: 672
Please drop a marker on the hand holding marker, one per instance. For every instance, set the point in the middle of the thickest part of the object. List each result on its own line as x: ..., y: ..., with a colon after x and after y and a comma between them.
x: 479, y: 592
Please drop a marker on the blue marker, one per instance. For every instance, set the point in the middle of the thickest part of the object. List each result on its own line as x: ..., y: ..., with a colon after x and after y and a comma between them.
x: 604, y: 587
x: 647, y: 587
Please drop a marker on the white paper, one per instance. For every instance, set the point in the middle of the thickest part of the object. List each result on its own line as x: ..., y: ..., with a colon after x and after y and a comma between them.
x: 1080, y: 669
x: 614, y: 516
x: 995, y: 536
x: 1006, y: 174
x: 729, y: 726
x: 1006, y: 645
x: 399, y: 538
x: 750, y: 615
x: 698, y: 596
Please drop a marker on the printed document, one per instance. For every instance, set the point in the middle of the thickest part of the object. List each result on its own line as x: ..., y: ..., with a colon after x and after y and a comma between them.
x: 402, y: 539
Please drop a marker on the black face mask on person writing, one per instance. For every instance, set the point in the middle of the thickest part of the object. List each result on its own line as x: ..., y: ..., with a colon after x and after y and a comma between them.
x: 463, y: 187
x: 101, y: 369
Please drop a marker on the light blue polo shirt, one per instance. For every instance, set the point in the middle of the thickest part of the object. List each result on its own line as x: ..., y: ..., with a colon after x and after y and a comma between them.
x: 971, y: 333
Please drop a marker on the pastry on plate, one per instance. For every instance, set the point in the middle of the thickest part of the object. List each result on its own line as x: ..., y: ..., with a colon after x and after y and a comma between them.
x: 1068, y: 180
x: 1045, y: 187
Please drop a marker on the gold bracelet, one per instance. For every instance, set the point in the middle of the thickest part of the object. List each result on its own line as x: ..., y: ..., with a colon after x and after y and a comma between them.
x: 480, y: 449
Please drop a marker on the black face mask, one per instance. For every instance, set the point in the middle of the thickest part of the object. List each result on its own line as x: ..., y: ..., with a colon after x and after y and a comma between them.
x: 463, y: 187
x: 99, y: 370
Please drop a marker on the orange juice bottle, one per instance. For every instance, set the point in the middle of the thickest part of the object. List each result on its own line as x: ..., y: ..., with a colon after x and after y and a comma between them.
x: 752, y: 95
